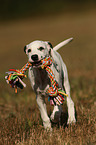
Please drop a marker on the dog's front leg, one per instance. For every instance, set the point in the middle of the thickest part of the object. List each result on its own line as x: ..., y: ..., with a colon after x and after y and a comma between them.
x: 43, y: 111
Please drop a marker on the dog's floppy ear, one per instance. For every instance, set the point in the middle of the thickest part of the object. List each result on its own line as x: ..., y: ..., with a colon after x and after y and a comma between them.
x: 25, y: 48
x: 49, y: 47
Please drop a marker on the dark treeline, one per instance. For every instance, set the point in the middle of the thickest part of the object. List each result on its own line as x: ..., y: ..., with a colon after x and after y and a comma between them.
x: 19, y: 8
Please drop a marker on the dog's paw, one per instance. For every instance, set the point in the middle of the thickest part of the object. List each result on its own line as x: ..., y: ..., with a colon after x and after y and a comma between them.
x: 47, y: 125
x: 48, y: 129
x: 71, y: 120
x: 55, y: 118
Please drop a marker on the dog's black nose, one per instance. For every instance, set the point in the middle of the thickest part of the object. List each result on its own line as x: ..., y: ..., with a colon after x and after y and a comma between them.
x: 34, y: 57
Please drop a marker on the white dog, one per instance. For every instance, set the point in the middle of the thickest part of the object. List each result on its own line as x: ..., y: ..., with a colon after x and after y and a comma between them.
x: 36, y: 51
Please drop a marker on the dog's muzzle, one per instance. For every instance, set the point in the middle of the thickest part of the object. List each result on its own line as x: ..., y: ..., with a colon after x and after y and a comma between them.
x: 35, y: 60
x: 36, y: 63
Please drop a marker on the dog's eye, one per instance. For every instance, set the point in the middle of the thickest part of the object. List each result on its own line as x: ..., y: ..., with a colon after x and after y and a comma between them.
x: 29, y: 50
x: 41, y: 48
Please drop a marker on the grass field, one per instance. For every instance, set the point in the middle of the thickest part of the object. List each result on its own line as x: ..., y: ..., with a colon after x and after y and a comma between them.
x: 20, y: 121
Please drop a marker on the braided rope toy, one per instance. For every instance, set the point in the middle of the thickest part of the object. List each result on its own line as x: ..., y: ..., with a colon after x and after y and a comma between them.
x: 56, y: 94
x: 14, y: 77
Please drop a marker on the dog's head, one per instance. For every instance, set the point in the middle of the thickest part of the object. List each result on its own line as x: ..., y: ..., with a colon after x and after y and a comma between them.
x: 38, y: 50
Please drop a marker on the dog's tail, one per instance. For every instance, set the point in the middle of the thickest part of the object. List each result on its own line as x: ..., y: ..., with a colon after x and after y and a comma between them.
x: 62, y: 44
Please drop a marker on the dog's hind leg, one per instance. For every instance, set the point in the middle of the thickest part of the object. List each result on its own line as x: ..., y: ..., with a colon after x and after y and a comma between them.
x: 70, y: 103
x: 55, y: 116
x: 43, y: 111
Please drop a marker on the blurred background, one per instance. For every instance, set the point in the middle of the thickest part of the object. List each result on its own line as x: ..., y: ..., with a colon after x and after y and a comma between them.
x: 22, y: 22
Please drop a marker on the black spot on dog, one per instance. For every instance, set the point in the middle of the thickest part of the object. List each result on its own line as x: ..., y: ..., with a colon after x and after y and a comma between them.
x: 50, y: 45
x: 25, y: 49
x: 41, y: 48
x: 29, y: 50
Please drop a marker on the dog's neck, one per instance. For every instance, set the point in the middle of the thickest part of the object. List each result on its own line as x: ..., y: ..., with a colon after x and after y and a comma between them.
x: 40, y: 74
x: 41, y: 78
x: 39, y: 71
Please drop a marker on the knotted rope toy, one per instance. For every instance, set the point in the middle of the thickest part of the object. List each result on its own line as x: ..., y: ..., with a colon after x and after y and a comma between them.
x: 14, y: 77
x: 56, y: 94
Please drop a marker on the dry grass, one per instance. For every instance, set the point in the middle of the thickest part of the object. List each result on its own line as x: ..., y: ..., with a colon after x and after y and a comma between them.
x: 20, y: 121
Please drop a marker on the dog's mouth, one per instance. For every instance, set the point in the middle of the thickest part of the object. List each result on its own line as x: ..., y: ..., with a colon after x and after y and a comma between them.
x: 36, y: 63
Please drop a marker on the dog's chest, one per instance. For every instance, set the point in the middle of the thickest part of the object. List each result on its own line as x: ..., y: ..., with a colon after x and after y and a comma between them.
x: 40, y: 80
